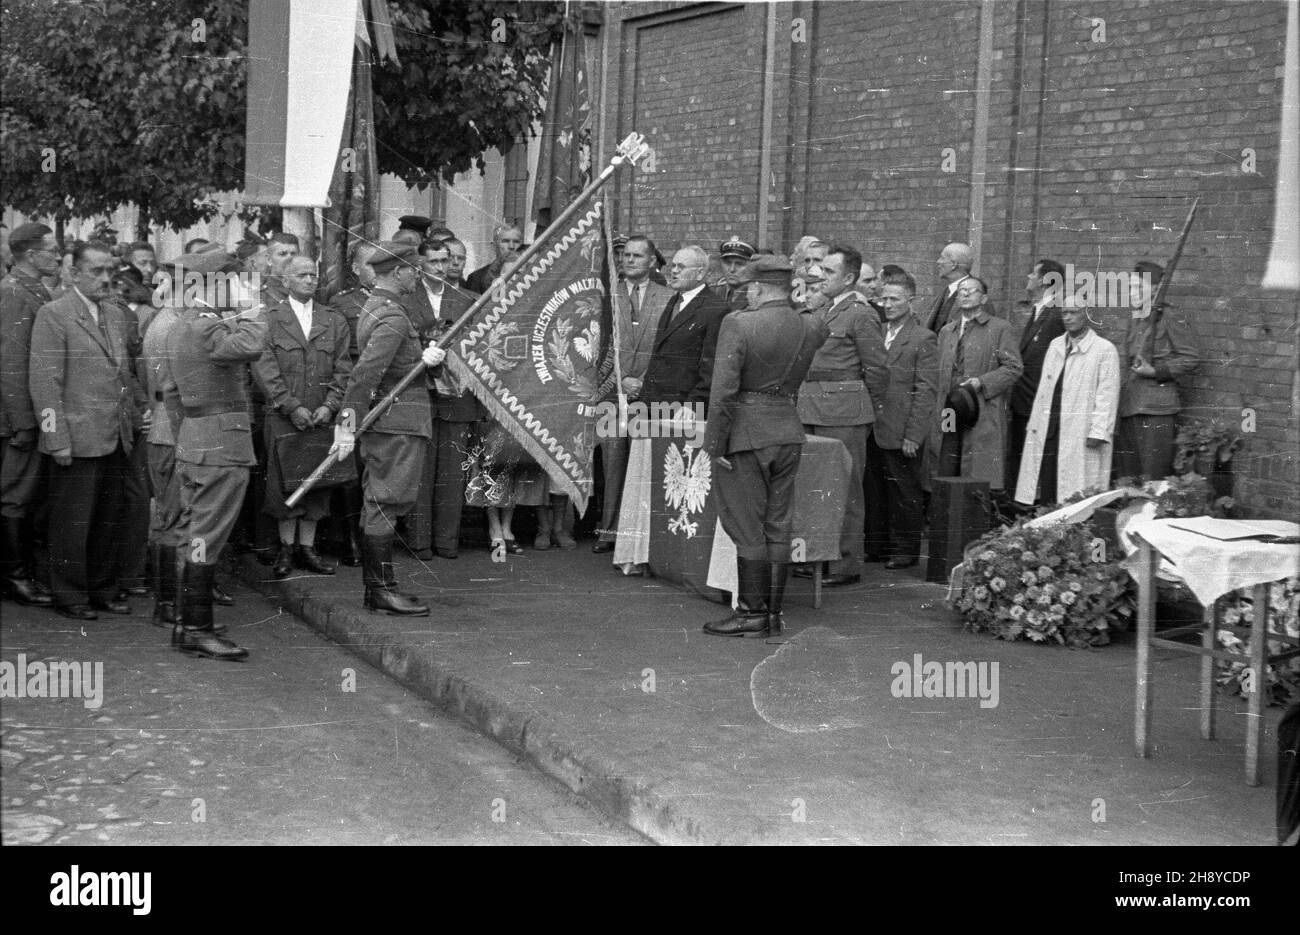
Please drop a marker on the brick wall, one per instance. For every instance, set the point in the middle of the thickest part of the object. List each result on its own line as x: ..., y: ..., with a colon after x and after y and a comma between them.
x: 1094, y: 149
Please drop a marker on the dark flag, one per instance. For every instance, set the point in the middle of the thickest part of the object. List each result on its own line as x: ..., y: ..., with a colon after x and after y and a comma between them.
x: 564, y: 161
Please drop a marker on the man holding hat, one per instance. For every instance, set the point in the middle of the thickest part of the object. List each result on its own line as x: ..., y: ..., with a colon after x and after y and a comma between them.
x: 734, y: 253
x: 393, y: 449
x: 755, y: 438
x: 36, y: 254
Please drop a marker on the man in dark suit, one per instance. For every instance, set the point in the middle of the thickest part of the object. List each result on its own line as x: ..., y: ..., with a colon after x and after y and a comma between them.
x: 639, y: 303
x: 837, y: 399
x: 433, y: 525
x: 895, y: 451
x: 88, y: 407
x: 22, y: 466
x: 954, y: 265
x: 681, y: 364
x: 507, y: 240
x: 1040, y: 326
x: 755, y: 438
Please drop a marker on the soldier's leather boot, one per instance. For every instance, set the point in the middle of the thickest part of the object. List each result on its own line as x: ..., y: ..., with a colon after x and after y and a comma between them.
x: 380, y: 579
x: 165, y: 584
x: 779, y: 572
x: 750, y: 616
x: 19, y: 582
x: 194, y: 634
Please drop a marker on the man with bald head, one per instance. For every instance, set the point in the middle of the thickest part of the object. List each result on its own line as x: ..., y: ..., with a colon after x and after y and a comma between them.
x: 681, y: 364
x: 954, y: 265
x: 507, y: 239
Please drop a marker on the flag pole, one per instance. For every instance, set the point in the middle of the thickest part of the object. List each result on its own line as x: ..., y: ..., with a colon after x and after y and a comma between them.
x: 630, y: 150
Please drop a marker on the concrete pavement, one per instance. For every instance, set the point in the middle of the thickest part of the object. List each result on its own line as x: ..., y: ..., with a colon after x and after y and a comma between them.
x: 606, y: 683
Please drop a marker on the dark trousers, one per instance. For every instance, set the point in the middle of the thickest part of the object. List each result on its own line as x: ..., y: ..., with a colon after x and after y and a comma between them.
x: 210, y: 499
x: 135, y: 538
x: 895, y: 502
x: 394, y: 465
x: 1017, y: 427
x: 87, y: 500
x: 434, y: 522
x: 756, y: 501
x: 614, y: 454
x: 1144, y: 445
x: 165, y: 527
x: 949, y: 461
x: 20, y: 480
x: 855, y: 439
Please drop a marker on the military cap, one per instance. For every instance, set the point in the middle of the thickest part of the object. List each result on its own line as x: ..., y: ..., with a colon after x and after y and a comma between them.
x: 388, y: 255
x: 414, y: 222
x: 620, y: 240
x: 737, y: 248
x: 27, y: 237
x: 767, y: 268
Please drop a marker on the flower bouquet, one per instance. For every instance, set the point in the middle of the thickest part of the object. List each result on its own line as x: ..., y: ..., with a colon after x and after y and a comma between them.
x: 1040, y: 583
x: 1281, y: 682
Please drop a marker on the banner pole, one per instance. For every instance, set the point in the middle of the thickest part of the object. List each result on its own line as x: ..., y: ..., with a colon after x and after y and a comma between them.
x: 630, y: 150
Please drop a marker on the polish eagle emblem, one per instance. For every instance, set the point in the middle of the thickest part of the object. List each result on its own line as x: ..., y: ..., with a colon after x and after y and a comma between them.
x: 688, y: 475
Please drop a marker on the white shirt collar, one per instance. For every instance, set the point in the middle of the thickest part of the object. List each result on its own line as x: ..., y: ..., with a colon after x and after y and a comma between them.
x: 91, y: 306
x: 690, y: 294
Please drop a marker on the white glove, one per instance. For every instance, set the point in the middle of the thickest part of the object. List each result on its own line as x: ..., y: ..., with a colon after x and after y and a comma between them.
x: 344, y: 442
x: 433, y: 355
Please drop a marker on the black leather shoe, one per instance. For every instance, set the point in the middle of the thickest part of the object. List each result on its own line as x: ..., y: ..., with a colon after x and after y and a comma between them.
x: 514, y: 548
x: 219, y: 596
x: 77, y: 612
x: 900, y: 561
x: 114, y: 606
x: 384, y: 601
x: 600, y: 548
x: 311, y: 560
x: 207, y: 643
x: 140, y: 591
x: 835, y: 581
x: 27, y: 591
x: 739, y: 624
x: 446, y: 553
x: 283, y: 566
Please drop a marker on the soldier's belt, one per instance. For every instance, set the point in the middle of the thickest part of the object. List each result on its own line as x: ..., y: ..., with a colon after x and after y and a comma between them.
x: 765, y: 396
x: 198, y: 412
x: 832, y: 376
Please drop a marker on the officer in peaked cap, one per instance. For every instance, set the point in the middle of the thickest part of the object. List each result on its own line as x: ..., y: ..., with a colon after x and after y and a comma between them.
x: 412, y: 228
x: 393, y: 448
x: 755, y: 438
x: 734, y: 253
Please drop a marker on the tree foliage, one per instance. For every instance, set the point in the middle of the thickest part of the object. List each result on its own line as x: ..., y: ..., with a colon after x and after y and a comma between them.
x: 114, y: 102
x: 470, y: 77
x: 143, y: 101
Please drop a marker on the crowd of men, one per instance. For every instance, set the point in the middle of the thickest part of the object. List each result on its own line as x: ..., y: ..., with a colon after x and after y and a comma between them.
x: 113, y: 401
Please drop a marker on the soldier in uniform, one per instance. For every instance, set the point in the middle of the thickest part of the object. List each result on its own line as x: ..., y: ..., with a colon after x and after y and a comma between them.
x: 734, y: 254
x: 393, y: 448
x: 36, y: 254
x: 209, y: 353
x: 755, y: 438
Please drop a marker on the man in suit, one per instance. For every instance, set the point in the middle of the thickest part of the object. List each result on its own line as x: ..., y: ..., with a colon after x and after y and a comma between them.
x: 847, y: 375
x: 507, y: 239
x: 681, y: 363
x: 392, y: 449
x: 977, y: 359
x: 954, y: 265
x: 895, y: 450
x: 1041, y: 326
x: 755, y: 438
x: 205, y: 380
x: 639, y: 303
x: 1150, y: 370
x: 433, y: 526
x: 22, y: 466
x: 88, y: 406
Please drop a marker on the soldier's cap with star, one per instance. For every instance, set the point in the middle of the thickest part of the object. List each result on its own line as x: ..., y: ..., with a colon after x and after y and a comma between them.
x: 414, y: 222
x: 767, y: 268
x: 737, y: 248
x: 387, y: 256
x: 620, y: 240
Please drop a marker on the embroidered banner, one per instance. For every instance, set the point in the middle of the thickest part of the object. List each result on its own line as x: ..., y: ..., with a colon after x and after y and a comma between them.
x: 538, y: 359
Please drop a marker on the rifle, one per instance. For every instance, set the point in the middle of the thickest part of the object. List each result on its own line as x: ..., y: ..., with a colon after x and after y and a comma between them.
x: 1158, y: 302
x: 630, y: 150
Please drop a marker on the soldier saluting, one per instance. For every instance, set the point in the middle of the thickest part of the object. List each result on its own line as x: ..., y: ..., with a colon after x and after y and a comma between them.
x: 204, y: 382
x: 393, y: 449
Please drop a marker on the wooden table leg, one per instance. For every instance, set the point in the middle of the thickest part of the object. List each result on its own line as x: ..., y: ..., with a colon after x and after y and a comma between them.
x: 1258, y: 663
x: 817, y: 585
x: 1146, y: 574
x: 1207, y: 670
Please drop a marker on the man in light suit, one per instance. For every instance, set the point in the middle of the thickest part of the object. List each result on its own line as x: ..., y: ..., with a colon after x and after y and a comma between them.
x: 686, y: 335
x: 88, y: 407
x: 639, y: 303
x: 837, y: 398
x: 954, y: 265
x: 1040, y: 326
x: 895, y: 451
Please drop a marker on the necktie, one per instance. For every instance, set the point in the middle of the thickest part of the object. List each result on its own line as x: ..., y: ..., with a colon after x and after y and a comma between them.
x: 636, y: 303
x: 667, y: 316
x: 103, y: 328
x: 959, y: 358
